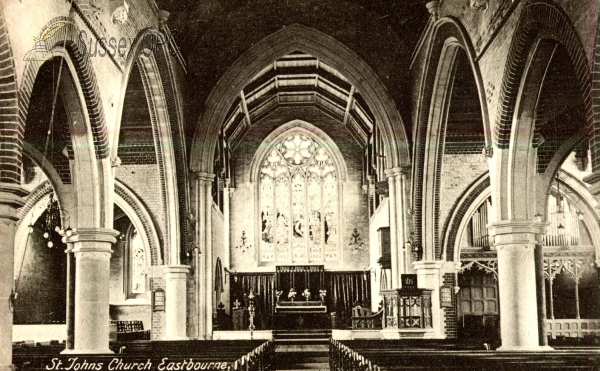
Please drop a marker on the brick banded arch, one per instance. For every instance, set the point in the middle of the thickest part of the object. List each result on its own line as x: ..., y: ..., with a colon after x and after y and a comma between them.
x: 448, y: 36
x: 33, y: 199
x: 539, y: 20
x: 461, y: 210
x: 124, y: 196
x: 68, y: 37
x: 595, y: 132
x: 158, y: 79
x: 11, y: 137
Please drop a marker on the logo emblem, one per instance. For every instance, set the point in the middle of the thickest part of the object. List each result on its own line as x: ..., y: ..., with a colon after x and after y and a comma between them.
x: 40, y: 51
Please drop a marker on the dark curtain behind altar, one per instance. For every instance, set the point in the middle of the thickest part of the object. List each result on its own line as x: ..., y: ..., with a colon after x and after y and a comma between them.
x: 263, y: 286
x: 344, y: 290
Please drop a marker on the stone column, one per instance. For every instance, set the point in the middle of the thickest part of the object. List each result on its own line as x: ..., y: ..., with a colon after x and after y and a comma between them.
x: 515, y: 242
x: 401, y: 220
x: 70, y: 341
x: 391, y: 174
x: 92, y: 249
x: 397, y: 207
x: 11, y: 198
x: 429, y: 277
x: 175, y: 302
x: 204, y: 269
x: 207, y: 248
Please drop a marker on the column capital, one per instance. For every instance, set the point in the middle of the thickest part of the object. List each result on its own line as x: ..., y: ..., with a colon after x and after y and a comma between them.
x: 176, y: 270
x: 12, y: 197
x: 517, y: 231
x: 428, y: 265
x: 393, y: 172
x: 106, y: 235
x: 204, y: 176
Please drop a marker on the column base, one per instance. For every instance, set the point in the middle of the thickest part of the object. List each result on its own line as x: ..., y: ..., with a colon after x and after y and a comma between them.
x: 509, y: 348
x: 7, y: 368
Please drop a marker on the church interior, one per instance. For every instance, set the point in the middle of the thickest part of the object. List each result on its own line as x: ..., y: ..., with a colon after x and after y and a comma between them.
x: 369, y: 184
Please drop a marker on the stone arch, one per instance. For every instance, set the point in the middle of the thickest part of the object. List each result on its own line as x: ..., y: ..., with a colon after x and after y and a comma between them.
x: 464, y: 207
x: 285, y: 41
x: 595, y: 129
x: 68, y: 39
x: 448, y: 38
x: 140, y: 216
x: 158, y: 78
x: 518, y: 165
x: 538, y: 20
x: 93, y: 196
x: 124, y: 198
x: 12, y: 136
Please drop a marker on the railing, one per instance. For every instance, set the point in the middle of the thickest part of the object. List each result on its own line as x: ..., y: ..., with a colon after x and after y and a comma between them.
x: 259, y: 359
x: 572, y: 327
x: 370, y: 321
x: 343, y: 358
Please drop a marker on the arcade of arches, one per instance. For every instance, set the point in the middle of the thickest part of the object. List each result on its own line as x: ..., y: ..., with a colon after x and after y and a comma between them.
x: 161, y: 161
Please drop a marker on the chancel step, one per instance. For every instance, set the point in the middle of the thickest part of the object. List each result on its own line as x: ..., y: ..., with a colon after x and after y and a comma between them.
x: 301, y: 336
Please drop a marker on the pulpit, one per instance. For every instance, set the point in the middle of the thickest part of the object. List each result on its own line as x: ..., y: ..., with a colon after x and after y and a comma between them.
x: 407, y: 311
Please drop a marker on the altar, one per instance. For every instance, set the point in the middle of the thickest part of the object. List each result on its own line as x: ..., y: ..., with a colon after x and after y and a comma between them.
x: 300, y: 284
x: 301, y: 315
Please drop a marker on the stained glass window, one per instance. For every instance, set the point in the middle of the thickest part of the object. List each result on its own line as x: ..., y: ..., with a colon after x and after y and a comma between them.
x: 298, y: 196
x: 138, y: 264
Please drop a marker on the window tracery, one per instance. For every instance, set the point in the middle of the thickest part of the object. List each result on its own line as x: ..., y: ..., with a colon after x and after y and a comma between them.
x: 298, y: 202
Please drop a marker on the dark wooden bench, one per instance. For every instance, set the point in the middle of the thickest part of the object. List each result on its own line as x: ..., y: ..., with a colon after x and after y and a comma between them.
x: 131, y: 330
x: 442, y: 355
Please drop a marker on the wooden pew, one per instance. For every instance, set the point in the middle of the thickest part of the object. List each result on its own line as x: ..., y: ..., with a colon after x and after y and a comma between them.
x: 440, y: 355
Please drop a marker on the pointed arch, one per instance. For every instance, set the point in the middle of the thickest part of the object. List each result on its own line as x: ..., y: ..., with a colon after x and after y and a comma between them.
x: 539, y: 20
x: 12, y: 133
x: 448, y: 38
x: 304, y: 127
x: 322, y: 46
x: 156, y: 68
x: 67, y: 38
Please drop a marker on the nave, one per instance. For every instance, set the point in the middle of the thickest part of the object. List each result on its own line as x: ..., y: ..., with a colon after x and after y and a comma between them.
x: 406, y: 183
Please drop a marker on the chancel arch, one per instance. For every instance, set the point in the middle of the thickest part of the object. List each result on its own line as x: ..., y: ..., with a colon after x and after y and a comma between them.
x: 295, y: 75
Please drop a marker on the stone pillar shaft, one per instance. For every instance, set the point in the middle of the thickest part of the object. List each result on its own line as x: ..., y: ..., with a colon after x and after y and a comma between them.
x: 204, y: 269
x: 175, y: 301
x: 397, y: 209
x: 11, y: 198
x: 92, y: 249
x: 70, y: 341
x: 393, y: 233
x: 208, y: 282
x: 429, y: 277
x: 515, y: 242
